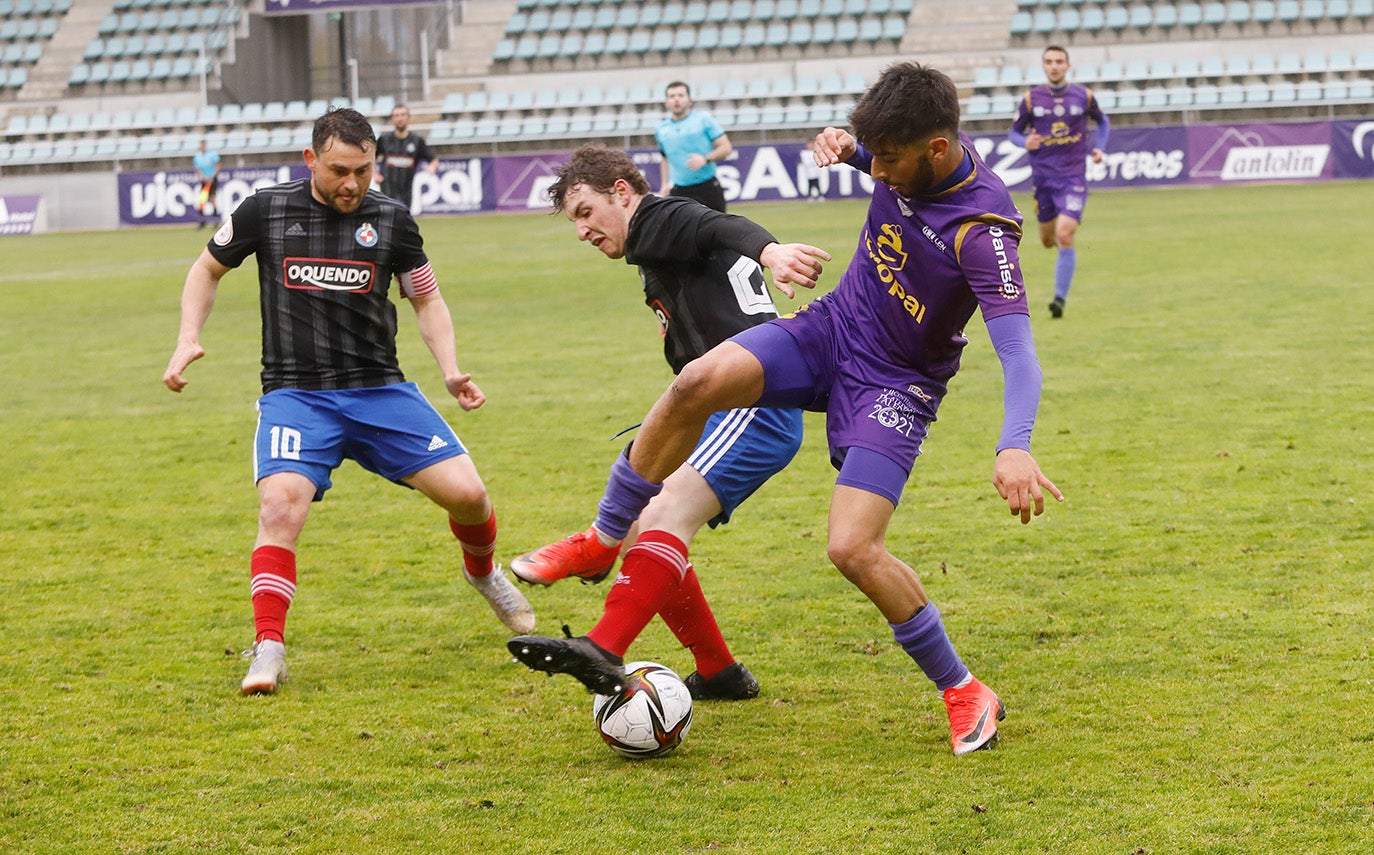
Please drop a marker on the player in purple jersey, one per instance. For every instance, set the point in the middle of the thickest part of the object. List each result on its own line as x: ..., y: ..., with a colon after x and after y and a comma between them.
x: 876, y: 355
x: 327, y: 251
x: 1052, y: 125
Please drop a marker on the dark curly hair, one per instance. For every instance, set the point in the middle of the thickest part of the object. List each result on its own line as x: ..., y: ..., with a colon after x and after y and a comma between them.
x: 597, y: 168
x: 908, y: 103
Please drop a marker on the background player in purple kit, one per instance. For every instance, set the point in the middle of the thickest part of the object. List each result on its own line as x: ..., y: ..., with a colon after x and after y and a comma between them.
x: 1052, y: 125
x: 327, y: 250
x: 876, y: 355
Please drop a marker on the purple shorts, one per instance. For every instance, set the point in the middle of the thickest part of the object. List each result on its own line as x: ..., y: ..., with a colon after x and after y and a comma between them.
x: 807, y: 363
x: 1051, y: 200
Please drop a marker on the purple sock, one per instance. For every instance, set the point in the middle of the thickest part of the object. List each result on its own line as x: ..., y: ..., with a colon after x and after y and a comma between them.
x: 924, y: 639
x: 1063, y: 272
x: 625, y: 497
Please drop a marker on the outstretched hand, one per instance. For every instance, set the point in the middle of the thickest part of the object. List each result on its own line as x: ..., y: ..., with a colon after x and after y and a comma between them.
x: 1018, y: 479
x: 186, y: 353
x: 834, y: 146
x: 793, y: 263
x: 461, y: 387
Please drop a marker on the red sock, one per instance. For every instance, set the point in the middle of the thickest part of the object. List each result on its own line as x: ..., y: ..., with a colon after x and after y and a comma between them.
x: 478, y: 543
x: 650, y: 577
x: 689, y: 616
x: 273, y: 586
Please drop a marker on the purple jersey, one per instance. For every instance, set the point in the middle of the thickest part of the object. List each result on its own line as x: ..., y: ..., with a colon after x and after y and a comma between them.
x: 1061, y: 117
x: 923, y: 265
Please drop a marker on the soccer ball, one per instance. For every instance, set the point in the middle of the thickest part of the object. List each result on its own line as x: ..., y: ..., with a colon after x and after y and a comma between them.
x: 651, y: 715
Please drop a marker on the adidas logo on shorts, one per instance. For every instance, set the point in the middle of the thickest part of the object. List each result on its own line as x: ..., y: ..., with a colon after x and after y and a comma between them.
x: 437, y: 443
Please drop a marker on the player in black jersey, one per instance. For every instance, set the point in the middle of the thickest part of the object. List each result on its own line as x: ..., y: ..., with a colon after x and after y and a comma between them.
x: 327, y: 252
x: 702, y: 279
x: 400, y: 152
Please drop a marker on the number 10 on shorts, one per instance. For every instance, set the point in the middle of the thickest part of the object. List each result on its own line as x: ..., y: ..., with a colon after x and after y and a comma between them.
x: 286, y: 443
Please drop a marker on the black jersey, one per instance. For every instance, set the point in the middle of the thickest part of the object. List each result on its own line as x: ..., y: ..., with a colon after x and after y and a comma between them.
x: 399, y: 157
x: 700, y: 274
x: 327, y: 322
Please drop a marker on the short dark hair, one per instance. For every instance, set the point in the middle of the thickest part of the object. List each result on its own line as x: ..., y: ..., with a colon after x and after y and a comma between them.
x: 347, y: 125
x: 597, y: 168
x: 675, y: 84
x: 1055, y: 47
x: 906, y: 104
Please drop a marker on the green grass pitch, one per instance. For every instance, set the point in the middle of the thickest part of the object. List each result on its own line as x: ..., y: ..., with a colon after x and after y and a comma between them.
x: 1184, y: 645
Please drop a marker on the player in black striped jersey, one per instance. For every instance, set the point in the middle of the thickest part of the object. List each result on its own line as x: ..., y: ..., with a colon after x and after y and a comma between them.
x: 327, y: 252
x: 702, y: 279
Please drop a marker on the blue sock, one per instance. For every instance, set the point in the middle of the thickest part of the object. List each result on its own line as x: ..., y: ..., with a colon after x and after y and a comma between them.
x: 924, y: 639
x: 1063, y: 272
x: 624, y: 500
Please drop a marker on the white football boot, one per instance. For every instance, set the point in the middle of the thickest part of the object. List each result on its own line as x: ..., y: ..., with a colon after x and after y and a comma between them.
x: 509, y: 604
x: 268, y: 669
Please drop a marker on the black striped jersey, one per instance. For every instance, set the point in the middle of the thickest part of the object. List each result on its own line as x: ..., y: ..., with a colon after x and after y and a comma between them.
x: 327, y: 321
x: 699, y: 272
x: 399, y: 158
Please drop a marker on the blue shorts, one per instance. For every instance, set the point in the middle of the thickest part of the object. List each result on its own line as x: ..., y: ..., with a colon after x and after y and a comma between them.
x: 390, y: 430
x: 807, y: 363
x: 1051, y: 200
x: 741, y: 449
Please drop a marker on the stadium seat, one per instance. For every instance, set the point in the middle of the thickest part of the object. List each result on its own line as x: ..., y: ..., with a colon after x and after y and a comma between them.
x: 1189, y: 15
x: 1179, y: 97
x: 1137, y: 69
x: 1022, y: 23
x: 1256, y: 93
x: 1186, y: 67
x: 1315, y: 62
x: 1263, y: 12
x: 1283, y: 92
x: 1238, y: 12
x: 1154, y: 98
x: 1093, y: 19
x: 1238, y: 65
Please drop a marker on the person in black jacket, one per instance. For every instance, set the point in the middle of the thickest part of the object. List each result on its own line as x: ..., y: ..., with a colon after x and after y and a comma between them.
x: 702, y: 279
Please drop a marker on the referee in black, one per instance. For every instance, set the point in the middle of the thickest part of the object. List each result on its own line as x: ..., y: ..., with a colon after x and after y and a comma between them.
x: 327, y: 253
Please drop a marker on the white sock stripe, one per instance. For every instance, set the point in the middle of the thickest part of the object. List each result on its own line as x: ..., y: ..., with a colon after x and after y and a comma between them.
x: 268, y: 583
x: 478, y: 550
x: 710, y: 450
x: 665, y: 553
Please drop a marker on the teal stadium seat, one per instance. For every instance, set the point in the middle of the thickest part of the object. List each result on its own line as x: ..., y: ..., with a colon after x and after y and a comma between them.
x: 1283, y: 92
x: 1189, y: 15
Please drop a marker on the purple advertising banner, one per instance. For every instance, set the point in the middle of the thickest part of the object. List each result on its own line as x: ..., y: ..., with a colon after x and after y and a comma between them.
x: 304, y: 7
x: 19, y: 214
x: 1136, y: 157
x: 156, y: 198
x: 1249, y: 152
x: 1352, y: 149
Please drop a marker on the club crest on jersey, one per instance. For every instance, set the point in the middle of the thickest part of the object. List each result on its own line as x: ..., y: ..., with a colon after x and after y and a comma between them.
x: 328, y: 274
x: 225, y: 233
x: 366, y: 235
